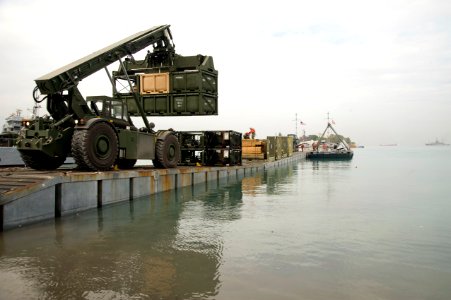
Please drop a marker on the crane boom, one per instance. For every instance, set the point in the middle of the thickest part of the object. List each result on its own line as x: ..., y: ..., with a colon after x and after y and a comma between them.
x: 69, y: 75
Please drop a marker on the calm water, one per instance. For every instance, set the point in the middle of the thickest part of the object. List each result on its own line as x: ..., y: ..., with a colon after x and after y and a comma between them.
x: 378, y: 227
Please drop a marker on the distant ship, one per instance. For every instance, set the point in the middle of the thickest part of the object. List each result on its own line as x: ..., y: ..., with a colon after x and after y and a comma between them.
x: 11, y: 129
x: 9, y: 156
x: 436, y: 143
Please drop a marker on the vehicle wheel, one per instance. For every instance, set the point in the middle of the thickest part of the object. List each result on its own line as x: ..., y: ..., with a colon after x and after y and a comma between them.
x: 95, y: 148
x: 167, y: 152
x: 124, y: 164
x: 41, y: 161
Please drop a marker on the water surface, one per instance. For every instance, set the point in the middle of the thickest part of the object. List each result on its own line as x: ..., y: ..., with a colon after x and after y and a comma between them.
x: 377, y: 227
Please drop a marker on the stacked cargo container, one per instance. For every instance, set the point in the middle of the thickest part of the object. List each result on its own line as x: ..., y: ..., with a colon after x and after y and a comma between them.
x: 189, y: 89
x: 210, y: 148
x: 282, y: 146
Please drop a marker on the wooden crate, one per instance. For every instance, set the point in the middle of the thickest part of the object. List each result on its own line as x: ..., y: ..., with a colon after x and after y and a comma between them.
x: 252, y: 143
x: 252, y: 150
x: 253, y: 156
x: 154, y: 83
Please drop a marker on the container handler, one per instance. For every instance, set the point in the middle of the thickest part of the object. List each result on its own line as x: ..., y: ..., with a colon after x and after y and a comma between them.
x: 98, y: 131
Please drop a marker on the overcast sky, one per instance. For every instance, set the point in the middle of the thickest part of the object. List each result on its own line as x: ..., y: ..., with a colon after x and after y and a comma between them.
x: 382, y: 69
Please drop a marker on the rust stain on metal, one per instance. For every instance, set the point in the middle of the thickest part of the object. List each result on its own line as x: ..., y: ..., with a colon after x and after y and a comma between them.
x: 186, y: 179
x: 82, y: 176
x: 152, y: 185
x: 167, y: 182
x: 145, y: 173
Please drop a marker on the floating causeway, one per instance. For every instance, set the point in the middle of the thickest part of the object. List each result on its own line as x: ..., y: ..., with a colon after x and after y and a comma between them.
x: 28, y: 196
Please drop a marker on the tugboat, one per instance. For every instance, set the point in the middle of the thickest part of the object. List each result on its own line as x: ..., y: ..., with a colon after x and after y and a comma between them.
x: 324, y: 151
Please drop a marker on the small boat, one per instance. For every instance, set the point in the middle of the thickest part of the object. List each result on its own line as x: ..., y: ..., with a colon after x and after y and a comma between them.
x: 325, y: 151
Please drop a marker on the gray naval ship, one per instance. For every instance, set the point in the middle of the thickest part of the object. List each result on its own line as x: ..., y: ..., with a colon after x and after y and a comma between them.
x: 9, y: 156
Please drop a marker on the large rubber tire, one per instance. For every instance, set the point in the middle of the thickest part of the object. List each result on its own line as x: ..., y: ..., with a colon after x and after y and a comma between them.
x: 41, y: 161
x: 125, y: 164
x: 95, y: 148
x: 167, y: 152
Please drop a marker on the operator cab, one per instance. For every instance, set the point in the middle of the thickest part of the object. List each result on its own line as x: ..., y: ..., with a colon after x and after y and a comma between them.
x: 114, y: 110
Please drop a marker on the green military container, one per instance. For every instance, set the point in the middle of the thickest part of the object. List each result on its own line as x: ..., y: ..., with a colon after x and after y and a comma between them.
x: 175, y: 104
x: 210, y: 148
x: 186, y: 87
x: 194, y: 81
x: 223, y: 139
x: 271, y: 145
x: 222, y: 157
x: 131, y: 106
x: 157, y: 104
x: 277, y: 147
x: 282, y: 143
x: 191, y: 140
x: 153, y: 105
x: 194, y: 104
x: 290, y: 145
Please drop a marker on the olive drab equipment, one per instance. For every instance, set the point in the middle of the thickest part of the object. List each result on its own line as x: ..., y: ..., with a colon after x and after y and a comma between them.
x: 98, y: 132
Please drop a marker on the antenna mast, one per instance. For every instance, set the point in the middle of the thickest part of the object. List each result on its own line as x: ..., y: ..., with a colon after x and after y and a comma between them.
x: 296, y: 121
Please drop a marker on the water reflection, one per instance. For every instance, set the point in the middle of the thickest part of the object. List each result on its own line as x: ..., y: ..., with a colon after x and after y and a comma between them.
x: 327, y: 165
x: 328, y: 175
x: 271, y: 181
x: 166, y: 246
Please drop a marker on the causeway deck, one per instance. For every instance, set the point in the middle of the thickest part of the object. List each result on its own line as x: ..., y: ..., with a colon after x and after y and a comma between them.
x: 28, y: 196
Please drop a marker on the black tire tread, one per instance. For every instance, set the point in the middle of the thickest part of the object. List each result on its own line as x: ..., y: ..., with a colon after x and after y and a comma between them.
x: 79, y: 152
x: 41, y: 161
x: 160, y: 153
x: 80, y: 141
